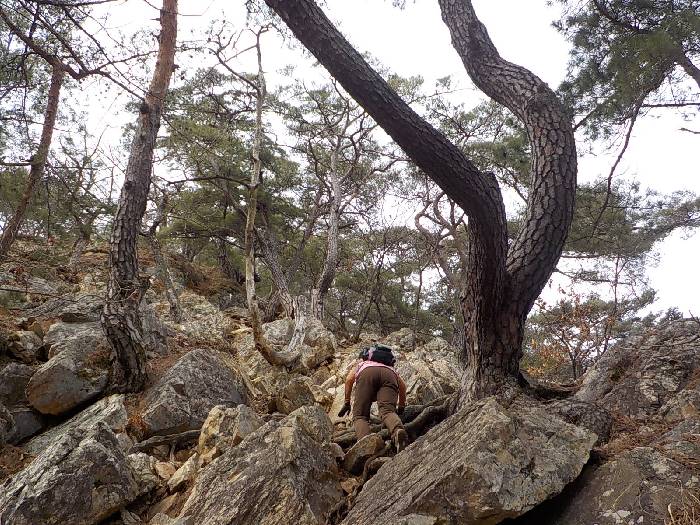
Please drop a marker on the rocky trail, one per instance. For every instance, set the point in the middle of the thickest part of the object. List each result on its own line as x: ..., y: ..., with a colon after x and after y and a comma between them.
x: 222, y: 437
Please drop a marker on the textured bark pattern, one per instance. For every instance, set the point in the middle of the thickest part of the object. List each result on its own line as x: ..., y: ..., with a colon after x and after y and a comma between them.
x: 536, y: 250
x: 38, y: 161
x: 501, y: 285
x: 120, y: 319
x: 164, y: 274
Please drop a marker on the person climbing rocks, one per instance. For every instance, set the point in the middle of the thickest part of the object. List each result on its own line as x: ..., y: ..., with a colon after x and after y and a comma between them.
x: 376, y: 380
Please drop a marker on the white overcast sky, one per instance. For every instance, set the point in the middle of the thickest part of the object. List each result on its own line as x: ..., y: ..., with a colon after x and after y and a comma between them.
x: 414, y: 41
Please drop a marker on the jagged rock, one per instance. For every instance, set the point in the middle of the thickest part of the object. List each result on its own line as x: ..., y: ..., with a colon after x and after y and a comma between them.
x: 26, y: 346
x: 109, y: 411
x: 77, y: 370
x: 145, y: 471
x: 586, y: 415
x: 201, y: 319
x: 183, y: 397
x: 401, y: 340
x: 225, y: 428
x: 82, y: 478
x: 278, y: 474
x: 295, y: 394
x: 13, y: 380
x: 319, y: 345
x: 685, y: 405
x: 638, y: 377
x: 361, y: 451
x: 7, y: 424
x: 485, y: 463
x: 165, y: 470
x: 185, y: 473
x: 635, y: 487
x: 163, y: 519
x: 70, y: 308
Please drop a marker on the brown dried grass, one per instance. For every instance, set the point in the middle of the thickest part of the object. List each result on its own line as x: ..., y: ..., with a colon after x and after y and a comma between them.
x: 685, y: 512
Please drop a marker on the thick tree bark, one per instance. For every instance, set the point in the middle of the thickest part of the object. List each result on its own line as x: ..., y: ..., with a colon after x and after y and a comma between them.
x: 38, y: 160
x: 501, y: 284
x: 120, y: 320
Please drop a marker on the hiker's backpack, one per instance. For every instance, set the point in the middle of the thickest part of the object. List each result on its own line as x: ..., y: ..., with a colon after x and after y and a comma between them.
x: 379, y: 353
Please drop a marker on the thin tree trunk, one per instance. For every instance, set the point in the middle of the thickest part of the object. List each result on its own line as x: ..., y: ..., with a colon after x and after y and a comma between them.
x: 120, y: 319
x: 79, y: 248
x: 271, y: 356
x: 164, y: 275
x: 325, y: 280
x: 38, y: 160
x: 416, y: 309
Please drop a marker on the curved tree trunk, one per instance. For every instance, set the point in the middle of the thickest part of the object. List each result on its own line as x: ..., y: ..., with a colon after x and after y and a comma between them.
x: 501, y: 283
x: 261, y: 344
x: 125, y: 289
x: 38, y: 160
x: 79, y: 247
x: 325, y: 279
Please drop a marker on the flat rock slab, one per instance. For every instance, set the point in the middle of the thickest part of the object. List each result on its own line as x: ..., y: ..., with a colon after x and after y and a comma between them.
x: 183, y: 397
x: 482, y: 465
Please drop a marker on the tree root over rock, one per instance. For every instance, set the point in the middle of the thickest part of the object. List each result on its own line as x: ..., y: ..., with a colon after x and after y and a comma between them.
x: 417, y: 419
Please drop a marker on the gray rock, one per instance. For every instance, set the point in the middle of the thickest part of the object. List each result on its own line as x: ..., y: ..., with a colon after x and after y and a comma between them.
x: 109, y: 411
x: 77, y: 371
x: 13, y: 380
x: 225, y: 428
x: 635, y: 487
x: 185, y: 473
x: 82, y: 478
x: 70, y: 308
x: 295, y: 394
x: 183, y: 397
x: 586, y: 415
x: 641, y: 375
x: 27, y: 423
x: 163, y: 519
x: 319, y: 345
x: 26, y: 346
x: 64, y: 336
x: 155, y: 333
x: 361, y: 451
x: 7, y: 424
x: 279, y: 474
x: 482, y: 465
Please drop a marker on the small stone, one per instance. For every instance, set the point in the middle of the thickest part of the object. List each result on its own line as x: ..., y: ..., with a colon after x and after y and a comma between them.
x: 165, y: 470
x: 349, y: 485
x: 184, y: 474
x: 358, y: 454
x: 337, y: 451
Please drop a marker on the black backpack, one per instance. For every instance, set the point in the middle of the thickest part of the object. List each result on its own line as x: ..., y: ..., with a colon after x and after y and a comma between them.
x: 379, y: 353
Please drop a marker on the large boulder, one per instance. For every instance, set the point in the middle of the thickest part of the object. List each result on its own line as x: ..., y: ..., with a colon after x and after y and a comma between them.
x: 639, y: 486
x: 82, y: 478
x: 14, y: 378
x: 284, y: 472
x: 109, y: 411
x: 183, y: 397
x: 638, y: 377
x: 486, y: 463
x: 76, y: 372
x: 293, y: 395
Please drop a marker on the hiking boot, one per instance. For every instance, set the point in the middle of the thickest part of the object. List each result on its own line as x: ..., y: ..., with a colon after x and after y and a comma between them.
x: 400, y: 439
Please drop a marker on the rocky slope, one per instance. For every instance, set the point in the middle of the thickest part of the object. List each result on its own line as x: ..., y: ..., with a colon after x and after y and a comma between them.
x: 221, y: 436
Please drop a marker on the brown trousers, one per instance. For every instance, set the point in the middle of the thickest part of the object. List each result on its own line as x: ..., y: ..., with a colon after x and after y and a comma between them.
x: 376, y: 383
